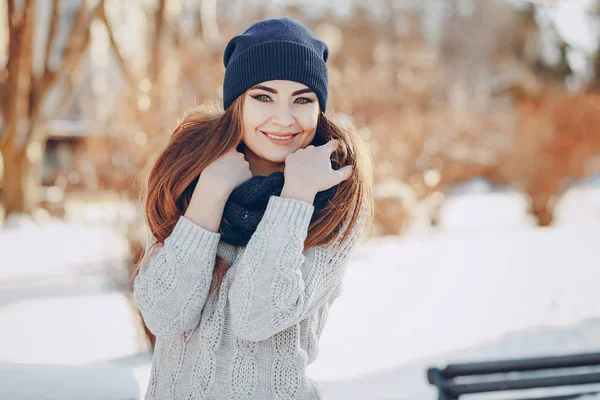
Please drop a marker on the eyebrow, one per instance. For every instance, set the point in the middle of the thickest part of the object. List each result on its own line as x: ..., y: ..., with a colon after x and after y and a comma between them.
x: 271, y: 90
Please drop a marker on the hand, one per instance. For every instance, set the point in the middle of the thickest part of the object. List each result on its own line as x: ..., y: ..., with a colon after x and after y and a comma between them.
x: 308, y: 171
x: 225, y: 173
x: 216, y: 183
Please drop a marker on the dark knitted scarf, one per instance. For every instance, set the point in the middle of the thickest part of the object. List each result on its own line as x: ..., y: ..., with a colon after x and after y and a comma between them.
x: 247, y: 204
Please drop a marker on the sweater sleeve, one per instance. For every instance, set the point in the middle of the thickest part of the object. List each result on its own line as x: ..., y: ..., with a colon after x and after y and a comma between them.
x: 173, y: 285
x: 278, y: 284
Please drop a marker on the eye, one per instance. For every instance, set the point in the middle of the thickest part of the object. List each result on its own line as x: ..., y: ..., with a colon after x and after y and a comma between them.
x: 260, y: 98
x: 305, y: 100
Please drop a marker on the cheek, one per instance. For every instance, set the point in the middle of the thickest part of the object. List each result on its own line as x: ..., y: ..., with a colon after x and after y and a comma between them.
x: 308, y: 122
x: 253, y: 119
x: 307, y: 117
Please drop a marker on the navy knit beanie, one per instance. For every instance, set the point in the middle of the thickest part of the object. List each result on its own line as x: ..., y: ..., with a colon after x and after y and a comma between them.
x: 275, y: 49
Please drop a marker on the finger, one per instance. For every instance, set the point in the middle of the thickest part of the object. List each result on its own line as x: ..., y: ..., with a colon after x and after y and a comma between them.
x: 331, y: 145
x: 343, y: 173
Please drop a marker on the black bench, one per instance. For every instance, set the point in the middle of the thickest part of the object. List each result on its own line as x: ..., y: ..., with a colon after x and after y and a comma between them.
x: 470, y: 378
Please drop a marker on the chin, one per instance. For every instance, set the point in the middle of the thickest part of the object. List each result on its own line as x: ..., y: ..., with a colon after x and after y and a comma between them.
x: 278, y: 157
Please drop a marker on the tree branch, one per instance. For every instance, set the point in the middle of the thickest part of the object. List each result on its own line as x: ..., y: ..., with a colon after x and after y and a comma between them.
x: 19, y: 71
x: 73, y: 81
x: 69, y: 63
x: 174, y: 32
x: 43, y: 81
x: 13, y: 28
x: 159, y: 19
x: 11, y: 12
x: 210, y: 26
x: 51, y: 35
x: 129, y: 76
x: 72, y: 46
x: 16, y: 17
x: 4, y: 71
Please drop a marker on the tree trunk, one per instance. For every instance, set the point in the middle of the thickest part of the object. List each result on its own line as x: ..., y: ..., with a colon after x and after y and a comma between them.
x: 22, y: 174
x: 542, y: 208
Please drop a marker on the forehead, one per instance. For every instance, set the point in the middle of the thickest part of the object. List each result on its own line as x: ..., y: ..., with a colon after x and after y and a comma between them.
x: 283, y: 85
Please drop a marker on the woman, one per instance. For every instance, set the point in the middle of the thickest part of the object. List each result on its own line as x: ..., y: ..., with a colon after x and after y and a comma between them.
x: 251, y: 226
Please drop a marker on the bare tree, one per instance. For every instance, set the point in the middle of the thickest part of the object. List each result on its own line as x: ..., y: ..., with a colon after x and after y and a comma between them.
x: 24, y: 90
x: 173, y: 69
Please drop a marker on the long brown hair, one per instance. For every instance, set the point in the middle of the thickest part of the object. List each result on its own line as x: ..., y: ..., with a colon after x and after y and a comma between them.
x: 207, y: 132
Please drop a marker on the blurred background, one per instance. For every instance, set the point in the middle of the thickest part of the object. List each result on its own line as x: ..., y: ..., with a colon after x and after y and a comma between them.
x: 483, y: 118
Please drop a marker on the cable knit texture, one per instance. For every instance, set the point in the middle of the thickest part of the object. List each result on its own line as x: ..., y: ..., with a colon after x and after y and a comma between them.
x: 255, y: 338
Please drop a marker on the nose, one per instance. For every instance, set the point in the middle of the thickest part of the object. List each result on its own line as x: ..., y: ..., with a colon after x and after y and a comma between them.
x: 283, y: 116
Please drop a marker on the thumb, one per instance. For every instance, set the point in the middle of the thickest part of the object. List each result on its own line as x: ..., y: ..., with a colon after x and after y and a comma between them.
x: 343, y: 173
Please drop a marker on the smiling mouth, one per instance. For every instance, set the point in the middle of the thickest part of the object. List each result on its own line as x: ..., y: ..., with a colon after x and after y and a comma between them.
x: 280, y: 138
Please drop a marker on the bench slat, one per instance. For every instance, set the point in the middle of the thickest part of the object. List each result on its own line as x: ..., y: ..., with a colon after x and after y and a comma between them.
x: 457, y: 389
x: 530, y: 364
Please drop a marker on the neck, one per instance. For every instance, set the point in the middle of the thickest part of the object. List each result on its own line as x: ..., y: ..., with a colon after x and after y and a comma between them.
x: 261, y: 167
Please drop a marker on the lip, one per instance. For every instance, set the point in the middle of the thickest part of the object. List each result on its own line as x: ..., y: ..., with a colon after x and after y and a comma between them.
x: 280, y: 141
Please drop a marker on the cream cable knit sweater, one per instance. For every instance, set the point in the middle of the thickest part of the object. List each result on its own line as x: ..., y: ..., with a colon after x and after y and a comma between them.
x: 254, y: 339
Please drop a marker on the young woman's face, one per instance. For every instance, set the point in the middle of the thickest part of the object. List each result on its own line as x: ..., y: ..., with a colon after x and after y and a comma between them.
x: 279, y: 118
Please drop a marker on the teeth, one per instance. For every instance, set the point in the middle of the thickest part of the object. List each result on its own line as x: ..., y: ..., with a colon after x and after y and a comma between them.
x: 279, y: 137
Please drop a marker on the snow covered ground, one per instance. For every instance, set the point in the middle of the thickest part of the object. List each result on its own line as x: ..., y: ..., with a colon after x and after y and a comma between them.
x: 461, y: 296
x: 485, y: 285
x: 67, y: 329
